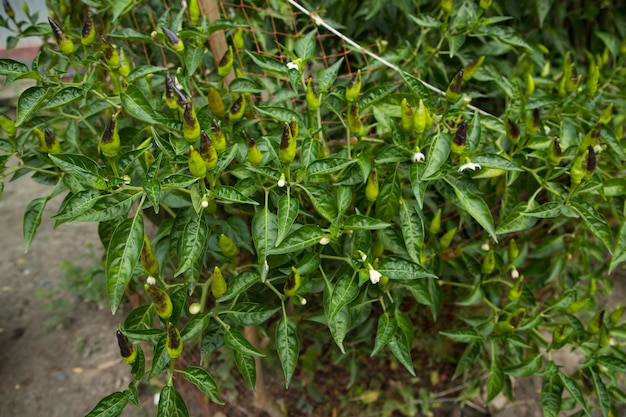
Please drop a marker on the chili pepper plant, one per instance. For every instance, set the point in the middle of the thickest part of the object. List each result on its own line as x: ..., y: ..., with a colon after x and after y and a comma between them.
x: 472, y: 170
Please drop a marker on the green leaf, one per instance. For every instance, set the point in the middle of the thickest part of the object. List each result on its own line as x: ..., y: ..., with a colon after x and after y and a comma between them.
x: 193, y: 58
x: 346, y: 289
x: 192, y: 242
x: 326, y: 77
x: 396, y: 267
x: 402, y: 341
x: 412, y: 230
x: 339, y: 327
x: 167, y: 402
x: 267, y: 63
x: 575, y: 392
x: 323, y: 201
x: 228, y: 194
x: 195, y: 326
x: 328, y: 166
x: 122, y: 257
x: 551, y: 392
x: 302, y: 238
x: 110, y: 406
x: 240, y: 284
x: 456, y: 42
x: 547, y: 210
x: 237, y: 341
x: 108, y: 207
x: 287, y: 212
x: 612, y: 363
x: 139, y: 318
x: 85, y: 170
x: 609, y: 137
x: 360, y: 222
x: 595, y: 222
x: 375, y: 95
x: 264, y: 232
x: 516, y: 220
x: 463, y: 335
x: 425, y: 21
x: 32, y: 219
x: 64, y: 96
x: 386, y: 329
x: 246, y: 365
x: 529, y: 367
x: 438, y: 153
x: 244, y: 85
x: 142, y: 71
x: 144, y: 335
x: 344, y: 198
x: 305, y: 46
x: 477, y: 208
x: 417, y: 185
x: 287, y: 346
x: 418, y: 88
x: 543, y: 8
x: 204, y: 381
x: 601, y: 393
x: 28, y: 102
x: 495, y: 380
x: 281, y: 114
x: 388, y: 201
x: 491, y: 160
x: 251, y: 314
x: 12, y: 67
x: 468, y: 359
x: 136, y: 105
x: 310, y: 151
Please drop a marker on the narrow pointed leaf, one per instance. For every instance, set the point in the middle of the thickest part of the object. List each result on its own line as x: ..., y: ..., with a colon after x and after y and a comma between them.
x: 204, y: 381
x: 287, y: 213
x: 32, y: 219
x: 438, y: 153
x: 323, y: 202
x: 386, y: 329
x: 495, y: 380
x: 412, y: 230
x: 28, y: 102
x: 237, y: 341
x: 192, y: 242
x: 575, y: 391
x: 396, y: 267
x: 477, y: 208
x: 596, y: 223
x: 288, y: 347
x: 167, y: 402
x: 246, y: 365
x: 299, y: 239
x: 110, y: 406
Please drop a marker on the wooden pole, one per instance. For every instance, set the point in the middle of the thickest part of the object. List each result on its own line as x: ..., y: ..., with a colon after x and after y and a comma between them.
x: 217, y: 40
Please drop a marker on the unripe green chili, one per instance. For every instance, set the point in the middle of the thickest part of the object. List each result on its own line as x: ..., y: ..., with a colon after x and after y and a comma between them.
x: 512, y: 131
x: 471, y: 68
x: 170, y: 98
x: 228, y: 247
x: 577, y: 172
x: 555, y: 154
x: 88, y: 34
x: 591, y: 84
x: 173, y: 40
x: 606, y: 115
x: 124, y: 69
x: 532, y: 122
x: 110, y: 143
x: 147, y: 259
x: 446, y: 239
x: 8, y: 9
x: 293, y: 283
x: 254, y: 154
x: 460, y: 138
x: 378, y: 247
x: 605, y: 336
x: 516, y: 318
x: 173, y: 342
x: 591, y: 291
x: 47, y: 142
x: 485, y: 4
x: 312, y: 99
x: 238, y: 40
x: 515, y: 292
x: 421, y: 118
x: 559, y: 335
x: 616, y: 315
x: 237, y: 109
x: 287, y: 150
x: 161, y: 301
x: 218, y: 284
x: 8, y: 125
x: 372, y: 187
x: 530, y: 84
x: 207, y: 151
x: 216, y: 104
x: 127, y: 350
x: 446, y: 5
x: 218, y: 137
x: 354, y: 120
x: 226, y: 63
x: 453, y: 92
x: 194, y: 12
x: 577, y: 305
x: 406, y: 116
x: 354, y: 87
x: 293, y: 127
x: 513, y: 251
x: 66, y: 46
x: 191, y: 126
x: 591, y: 138
x: 435, y: 224
x: 489, y: 263
x: 111, y: 57
x: 197, y: 166
x: 596, y: 322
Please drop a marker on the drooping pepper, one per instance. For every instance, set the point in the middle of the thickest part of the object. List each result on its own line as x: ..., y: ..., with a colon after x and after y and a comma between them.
x: 406, y: 116
x: 196, y: 164
x: 446, y: 239
x: 485, y: 4
x: 170, y: 98
x: 453, y: 92
x: 191, y: 126
x: 226, y: 63
x: 147, y: 258
x: 216, y: 104
x: 237, y: 109
x: 111, y: 57
x: 471, y: 68
x: 577, y: 171
x: 354, y: 87
x: 512, y: 132
x: 173, y: 40
x: 127, y: 350
x: 124, y: 69
x: 530, y: 84
x: 460, y: 138
x: 293, y: 283
x: 238, y: 39
x: 421, y: 118
x: 8, y: 125
x: 596, y: 322
x: 435, y: 224
x: 194, y: 12
x: 354, y: 121
x: 372, y: 187
x: 513, y: 251
x: 66, y: 46
x: 312, y: 99
x: 173, y: 342
x: 218, y: 137
x: 228, y: 247
x: 110, y: 143
x: 161, y: 301
x: 288, y: 146
x: 515, y: 292
x: 48, y: 143
x: 489, y: 263
x: 208, y: 152
x: 254, y: 155
x: 532, y: 122
x: 88, y: 33
x: 555, y: 154
x: 218, y: 284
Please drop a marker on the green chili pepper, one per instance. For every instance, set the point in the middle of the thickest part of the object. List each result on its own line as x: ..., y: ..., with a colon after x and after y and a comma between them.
x: 596, y: 322
x: 577, y: 305
x: 489, y: 263
x: 191, y: 126
x: 312, y: 99
x: 616, y: 315
x: 124, y: 69
x: 173, y: 40
x: 238, y: 40
x: 372, y: 187
x: 173, y: 342
x: 453, y: 92
x: 446, y: 5
x: 591, y: 291
x: 194, y: 12
x: 8, y: 9
x: 226, y: 63
x: 471, y: 68
x: 354, y: 87
x: 570, y: 79
x: 228, y: 247
x: 66, y: 46
x: 110, y: 143
x: 406, y: 116
x: 161, y: 301
x: 8, y: 125
x: 288, y: 146
x: 354, y: 120
x: 532, y: 122
x: 605, y: 336
x: 513, y: 251
x: 237, y: 109
x: 293, y: 283
x: 515, y: 292
x: 293, y: 127
x: 460, y: 138
x: 485, y: 4
x: 591, y: 138
x: 254, y: 154
x: 421, y: 119
x: 216, y: 104
x: 517, y: 317
x: 606, y: 115
x: 218, y: 284
x: 208, y: 152
x: 590, y: 161
x: 88, y: 34
x: 555, y: 154
x: 127, y: 350
x: 378, y: 247
x: 577, y: 171
x: 435, y: 224
x: 446, y: 239
x: 47, y: 142
x: 170, y: 98
x: 530, y: 84
x: 111, y: 57
x: 512, y: 132
x: 148, y: 260
x: 218, y: 137
x: 559, y: 336
x: 196, y: 164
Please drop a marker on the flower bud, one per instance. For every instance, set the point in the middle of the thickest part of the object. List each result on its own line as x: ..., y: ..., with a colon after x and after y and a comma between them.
x: 110, y: 144
x: 147, y: 258
x: 512, y: 132
x: 460, y: 138
x: 173, y: 342
x: 48, y: 143
x: 354, y: 87
x: 196, y: 164
x: 254, y: 154
x: 287, y: 150
x: 237, y: 109
x: 354, y: 121
x: 161, y: 301
x: 406, y: 115
x: 218, y: 284
x: 228, y: 247
x: 207, y: 151
x: 195, y: 308
x: 372, y: 187
x: 532, y: 122
x: 312, y: 99
x: 216, y: 104
x: 191, y: 126
x: 555, y: 154
x: 127, y: 350
x: 453, y: 93
x: 173, y: 40
x: 111, y: 57
x: 471, y: 68
x: 226, y: 63
x: 66, y: 46
x: 293, y: 283
x: 88, y: 33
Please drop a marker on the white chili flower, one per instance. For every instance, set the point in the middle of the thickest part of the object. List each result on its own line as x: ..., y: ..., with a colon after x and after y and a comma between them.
x: 375, y: 276
x: 194, y: 308
x: 292, y: 65
x: 151, y: 281
x: 485, y: 247
x: 302, y: 301
x: 469, y: 165
x: 514, y: 273
x: 204, y: 204
x: 598, y: 148
x: 418, y: 157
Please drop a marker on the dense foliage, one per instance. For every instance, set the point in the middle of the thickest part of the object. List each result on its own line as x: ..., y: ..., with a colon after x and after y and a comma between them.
x: 296, y: 192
